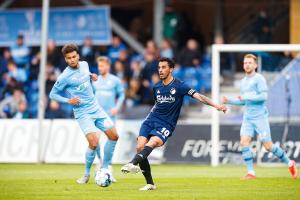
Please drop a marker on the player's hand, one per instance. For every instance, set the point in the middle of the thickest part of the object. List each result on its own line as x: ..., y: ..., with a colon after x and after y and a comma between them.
x: 224, y: 99
x: 240, y: 98
x: 74, y: 101
x: 114, y: 111
x: 94, y: 77
x: 222, y: 108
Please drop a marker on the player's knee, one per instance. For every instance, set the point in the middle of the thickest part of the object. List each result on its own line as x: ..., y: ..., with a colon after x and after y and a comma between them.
x: 93, y: 144
x: 112, y: 134
x: 244, y: 143
x: 154, y: 144
x: 268, y: 146
x: 114, y: 137
x: 93, y: 140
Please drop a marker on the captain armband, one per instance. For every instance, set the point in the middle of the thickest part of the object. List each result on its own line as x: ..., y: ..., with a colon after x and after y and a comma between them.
x: 191, y: 92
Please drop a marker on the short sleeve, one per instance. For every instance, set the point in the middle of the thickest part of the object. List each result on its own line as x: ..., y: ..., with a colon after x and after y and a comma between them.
x: 186, y: 90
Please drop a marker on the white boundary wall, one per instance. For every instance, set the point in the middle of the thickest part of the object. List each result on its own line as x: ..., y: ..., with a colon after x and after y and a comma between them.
x: 216, y: 50
x: 62, y: 141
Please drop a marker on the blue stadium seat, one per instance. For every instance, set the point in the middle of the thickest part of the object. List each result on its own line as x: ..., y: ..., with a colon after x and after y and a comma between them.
x: 278, y: 95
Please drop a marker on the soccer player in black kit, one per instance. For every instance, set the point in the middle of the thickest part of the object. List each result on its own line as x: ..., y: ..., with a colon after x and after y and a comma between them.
x: 161, y: 121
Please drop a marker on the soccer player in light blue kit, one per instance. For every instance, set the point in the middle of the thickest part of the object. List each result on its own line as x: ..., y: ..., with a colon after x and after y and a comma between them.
x: 110, y: 94
x: 255, y: 120
x: 74, y: 86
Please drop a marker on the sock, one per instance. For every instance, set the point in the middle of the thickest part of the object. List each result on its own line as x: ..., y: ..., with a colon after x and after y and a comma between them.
x: 146, y: 170
x: 98, y: 151
x: 89, y: 159
x: 142, y: 155
x: 109, y: 149
x: 248, y: 159
x: 277, y: 151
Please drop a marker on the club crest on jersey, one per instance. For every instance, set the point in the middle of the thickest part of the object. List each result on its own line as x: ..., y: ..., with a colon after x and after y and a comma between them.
x: 82, y: 86
x: 173, y: 91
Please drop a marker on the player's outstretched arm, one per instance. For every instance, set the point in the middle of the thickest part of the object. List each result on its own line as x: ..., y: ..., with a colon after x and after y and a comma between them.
x: 235, y: 102
x: 209, y: 102
x: 254, y: 97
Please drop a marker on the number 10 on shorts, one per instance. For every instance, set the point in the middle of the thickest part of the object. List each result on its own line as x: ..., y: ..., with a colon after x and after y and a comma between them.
x: 165, y: 132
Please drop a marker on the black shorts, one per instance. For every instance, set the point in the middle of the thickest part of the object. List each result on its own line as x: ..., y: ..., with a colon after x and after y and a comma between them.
x: 156, y: 128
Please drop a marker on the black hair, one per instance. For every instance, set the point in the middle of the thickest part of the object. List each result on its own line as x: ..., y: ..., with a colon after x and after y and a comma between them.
x: 68, y: 48
x: 170, y: 62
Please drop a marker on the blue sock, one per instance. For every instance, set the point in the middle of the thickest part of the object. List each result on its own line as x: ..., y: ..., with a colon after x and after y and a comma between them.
x: 277, y: 151
x: 89, y: 159
x: 248, y: 158
x: 98, y: 151
x: 109, y: 149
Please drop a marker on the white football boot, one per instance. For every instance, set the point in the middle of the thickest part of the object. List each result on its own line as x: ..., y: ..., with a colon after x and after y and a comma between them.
x: 84, y: 179
x: 148, y: 187
x: 130, y: 168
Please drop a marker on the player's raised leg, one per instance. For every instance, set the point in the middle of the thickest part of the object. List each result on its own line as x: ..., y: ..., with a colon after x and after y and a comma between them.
x: 93, y: 140
x: 144, y: 148
x: 130, y: 167
x: 247, y: 156
x: 154, y: 142
x: 279, y: 153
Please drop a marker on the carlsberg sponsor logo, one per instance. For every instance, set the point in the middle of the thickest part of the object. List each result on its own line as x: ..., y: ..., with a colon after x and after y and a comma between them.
x: 163, y: 99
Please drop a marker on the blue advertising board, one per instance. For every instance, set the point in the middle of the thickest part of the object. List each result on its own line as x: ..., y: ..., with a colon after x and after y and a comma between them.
x: 70, y: 24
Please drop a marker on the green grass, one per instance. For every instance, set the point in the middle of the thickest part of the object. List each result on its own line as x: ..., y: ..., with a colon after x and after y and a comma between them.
x: 34, y: 181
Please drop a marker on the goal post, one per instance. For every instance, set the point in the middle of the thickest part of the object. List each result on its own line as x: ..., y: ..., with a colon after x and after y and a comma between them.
x: 217, y: 49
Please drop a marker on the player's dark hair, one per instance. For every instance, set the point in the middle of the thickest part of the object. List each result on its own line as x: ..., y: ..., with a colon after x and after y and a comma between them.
x: 68, y: 48
x: 170, y: 62
x: 20, y: 36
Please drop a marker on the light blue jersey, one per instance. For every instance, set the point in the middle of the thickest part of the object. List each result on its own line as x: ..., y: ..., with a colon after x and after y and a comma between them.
x: 109, y: 92
x: 77, y: 83
x: 254, y: 95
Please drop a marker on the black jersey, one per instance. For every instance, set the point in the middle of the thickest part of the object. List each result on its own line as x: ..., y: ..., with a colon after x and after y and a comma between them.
x: 168, y: 101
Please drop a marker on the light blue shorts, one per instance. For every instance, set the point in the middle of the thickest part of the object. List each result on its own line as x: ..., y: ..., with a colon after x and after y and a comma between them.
x: 89, y: 124
x: 261, y: 127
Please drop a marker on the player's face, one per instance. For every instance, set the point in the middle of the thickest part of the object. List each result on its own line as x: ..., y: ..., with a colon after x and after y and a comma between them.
x: 72, y: 59
x: 164, y: 71
x: 249, y: 65
x: 103, y: 67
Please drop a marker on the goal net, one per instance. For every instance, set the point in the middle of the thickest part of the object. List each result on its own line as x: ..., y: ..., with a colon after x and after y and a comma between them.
x: 280, y: 65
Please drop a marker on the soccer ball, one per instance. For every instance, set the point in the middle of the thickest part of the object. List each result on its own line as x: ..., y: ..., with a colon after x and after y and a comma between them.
x: 103, y: 178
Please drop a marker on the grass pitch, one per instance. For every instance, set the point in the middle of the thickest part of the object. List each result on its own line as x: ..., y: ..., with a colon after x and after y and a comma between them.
x: 46, y: 181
